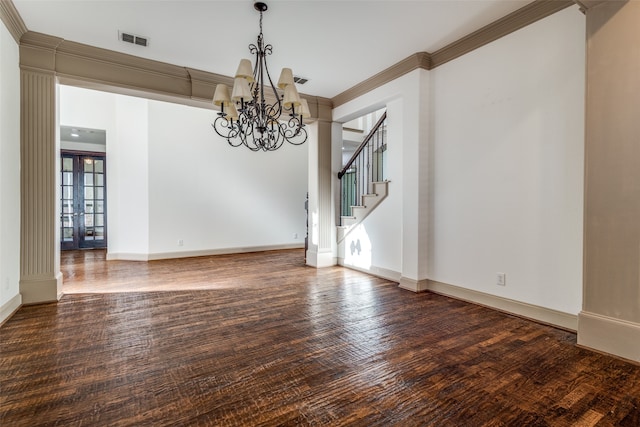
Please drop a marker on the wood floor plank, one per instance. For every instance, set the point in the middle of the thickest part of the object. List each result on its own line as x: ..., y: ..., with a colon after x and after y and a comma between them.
x: 262, y: 340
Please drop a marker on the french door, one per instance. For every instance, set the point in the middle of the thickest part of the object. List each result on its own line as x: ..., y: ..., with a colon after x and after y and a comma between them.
x: 83, y: 201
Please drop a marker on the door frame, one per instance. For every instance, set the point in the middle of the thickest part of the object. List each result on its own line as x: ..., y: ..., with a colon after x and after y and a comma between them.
x: 79, y: 242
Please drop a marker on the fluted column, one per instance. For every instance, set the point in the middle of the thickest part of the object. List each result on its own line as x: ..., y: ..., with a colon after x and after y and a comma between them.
x: 321, y: 252
x: 610, y: 316
x: 40, y: 277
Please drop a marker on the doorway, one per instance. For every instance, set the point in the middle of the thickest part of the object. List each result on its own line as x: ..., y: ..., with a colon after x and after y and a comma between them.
x: 83, y: 200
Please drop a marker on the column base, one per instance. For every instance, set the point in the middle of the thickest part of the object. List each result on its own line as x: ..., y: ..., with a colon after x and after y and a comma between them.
x: 321, y: 259
x: 413, y: 285
x: 38, y: 291
x: 609, y: 335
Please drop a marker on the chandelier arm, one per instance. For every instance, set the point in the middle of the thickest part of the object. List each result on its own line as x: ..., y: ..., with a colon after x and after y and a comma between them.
x: 295, y: 124
x: 302, y: 133
x: 293, y: 132
x: 276, y: 109
x: 231, y: 133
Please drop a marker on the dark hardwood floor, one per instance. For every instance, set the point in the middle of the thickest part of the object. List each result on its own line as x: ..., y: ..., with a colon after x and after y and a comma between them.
x: 261, y: 340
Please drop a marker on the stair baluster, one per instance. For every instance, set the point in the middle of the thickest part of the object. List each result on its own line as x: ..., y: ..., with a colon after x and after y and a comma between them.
x: 363, y: 168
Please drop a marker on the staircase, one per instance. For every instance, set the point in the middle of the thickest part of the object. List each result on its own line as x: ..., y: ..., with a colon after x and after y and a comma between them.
x: 362, y: 182
x: 360, y: 212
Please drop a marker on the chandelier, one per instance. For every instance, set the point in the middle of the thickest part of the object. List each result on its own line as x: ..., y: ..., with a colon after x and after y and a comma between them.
x: 247, y: 118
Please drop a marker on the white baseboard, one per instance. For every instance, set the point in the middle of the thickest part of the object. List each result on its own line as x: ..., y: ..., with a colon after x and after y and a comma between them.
x: 124, y: 256
x: 10, y: 307
x: 534, y: 312
x: 530, y: 311
x: 384, y: 273
x: 413, y: 285
x: 609, y: 335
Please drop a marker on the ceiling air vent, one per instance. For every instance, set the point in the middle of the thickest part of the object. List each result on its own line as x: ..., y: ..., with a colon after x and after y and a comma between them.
x: 141, y: 41
x: 300, y: 80
x: 133, y: 39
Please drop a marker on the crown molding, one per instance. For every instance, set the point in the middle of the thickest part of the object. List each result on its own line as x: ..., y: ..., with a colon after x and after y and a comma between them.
x: 90, y: 67
x: 121, y: 70
x: 321, y: 108
x: 12, y: 20
x: 522, y: 17
x: 68, y: 49
x: 40, y: 40
x: 96, y: 67
x: 588, y: 4
x: 413, y: 62
x: 38, y: 52
x: 203, y: 83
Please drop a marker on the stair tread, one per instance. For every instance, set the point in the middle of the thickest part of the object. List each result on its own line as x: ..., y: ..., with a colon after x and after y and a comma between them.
x: 348, y: 222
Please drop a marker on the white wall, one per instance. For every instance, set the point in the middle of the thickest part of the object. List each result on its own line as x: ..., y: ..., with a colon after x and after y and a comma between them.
x: 128, y: 179
x: 213, y: 196
x: 508, y: 165
x: 504, y: 126
x: 170, y: 178
x: 381, y: 233
x: 9, y: 175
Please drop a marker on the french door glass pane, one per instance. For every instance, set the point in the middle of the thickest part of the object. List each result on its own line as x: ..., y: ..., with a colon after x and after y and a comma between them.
x: 67, y: 234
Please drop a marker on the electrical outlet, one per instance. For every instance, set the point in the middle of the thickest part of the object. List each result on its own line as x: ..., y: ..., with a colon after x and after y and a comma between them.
x: 180, y: 242
x: 295, y: 235
x: 501, y: 279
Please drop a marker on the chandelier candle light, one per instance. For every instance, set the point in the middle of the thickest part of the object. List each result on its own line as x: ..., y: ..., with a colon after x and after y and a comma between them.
x: 246, y: 118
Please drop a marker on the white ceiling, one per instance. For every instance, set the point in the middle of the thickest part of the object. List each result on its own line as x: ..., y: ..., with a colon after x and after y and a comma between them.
x: 85, y: 135
x: 334, y: 43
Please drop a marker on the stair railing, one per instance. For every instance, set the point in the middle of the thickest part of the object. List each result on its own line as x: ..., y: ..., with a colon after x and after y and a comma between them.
x: 365, y: 167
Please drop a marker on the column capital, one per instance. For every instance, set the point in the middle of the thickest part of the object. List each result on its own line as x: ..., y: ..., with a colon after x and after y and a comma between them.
x: 38, y: 52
